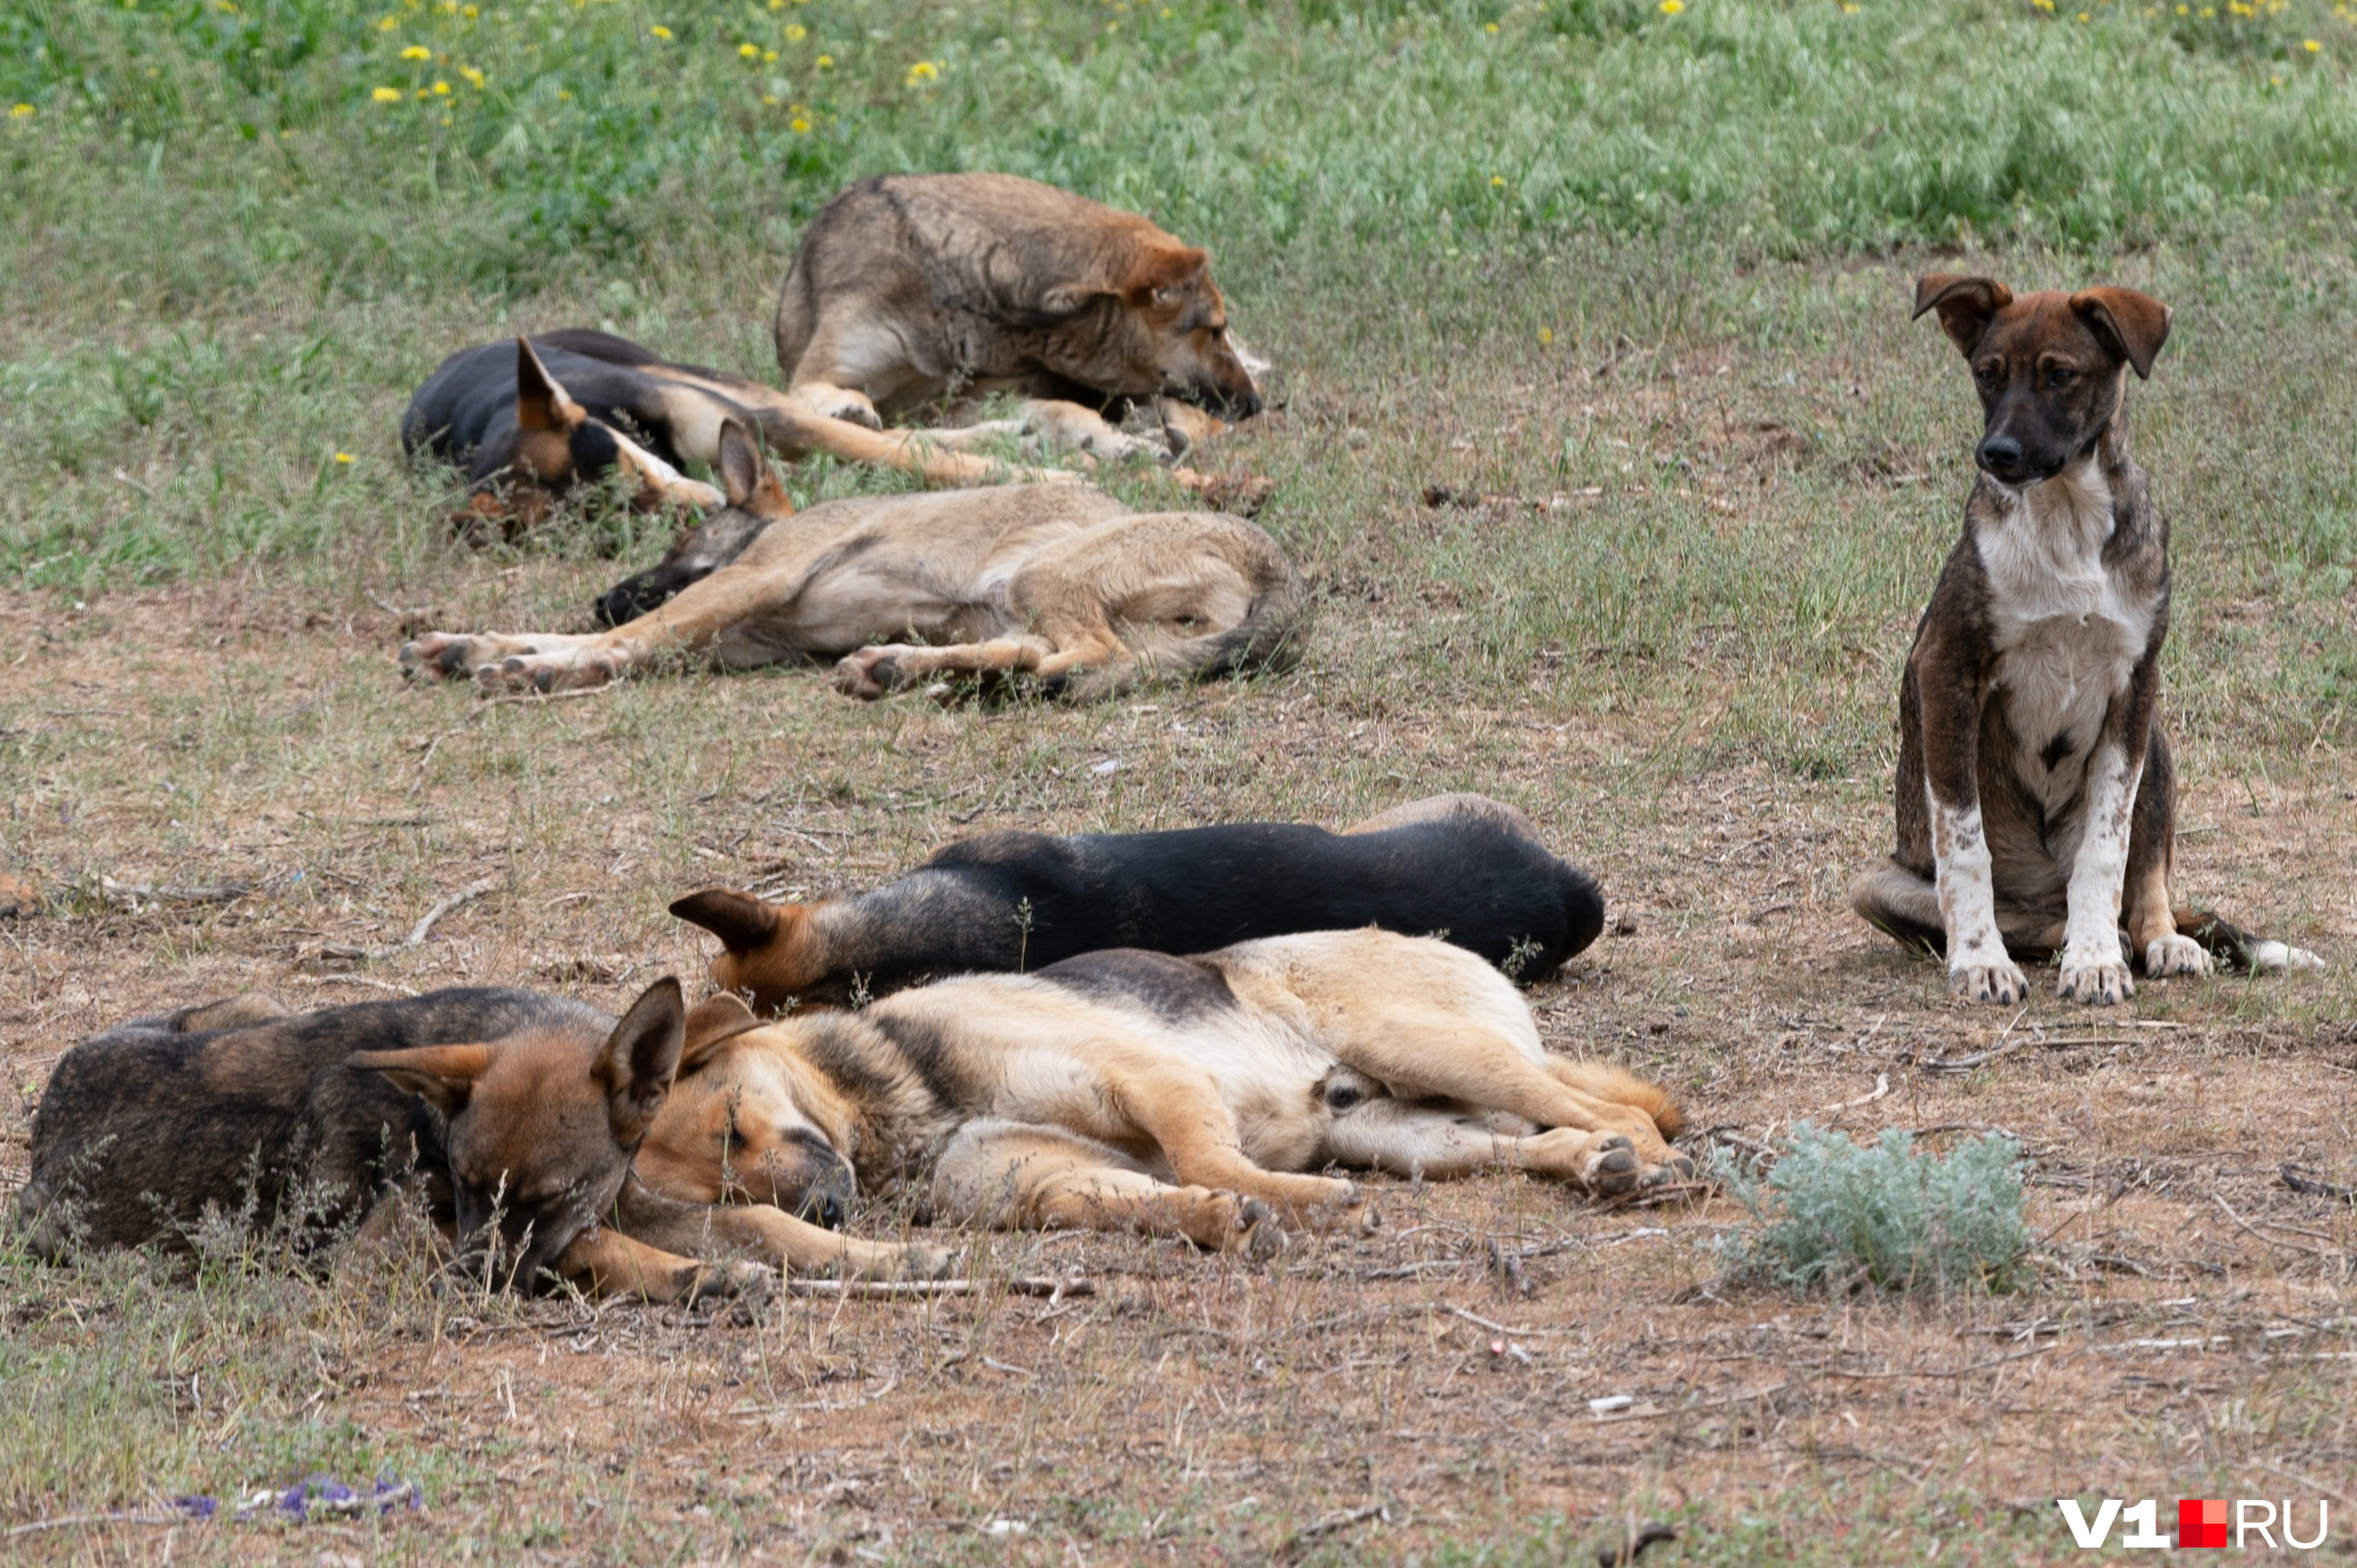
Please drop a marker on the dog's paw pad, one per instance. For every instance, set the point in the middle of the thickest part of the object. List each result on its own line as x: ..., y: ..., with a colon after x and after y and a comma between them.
x: 1613, y: 1168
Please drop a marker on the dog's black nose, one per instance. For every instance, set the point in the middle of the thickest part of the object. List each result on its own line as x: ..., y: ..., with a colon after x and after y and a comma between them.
x: 2001, y: 456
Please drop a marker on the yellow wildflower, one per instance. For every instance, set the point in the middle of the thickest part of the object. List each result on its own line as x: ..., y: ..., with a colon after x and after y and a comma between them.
x: 800, y: 125
x: 417, y: 52
x: 1489, y: 26
x: 768, y: 56
x: 2083, y: 15
x: 470, y: 12
x: 1497, y: 181
x: 659, y: 30
x: 923, y: 71
x: 2312, y: 46
x: 795, y: 32
x: 19, y: 111
x: 441, y: 89
x: 343, y: 457
x: 387, y: 95
x: 389, y: 24
x: 473, y: 76
x: 825, y: 62
x: 565, y: 95
x: 750, y: 50
x: 1671, y: 7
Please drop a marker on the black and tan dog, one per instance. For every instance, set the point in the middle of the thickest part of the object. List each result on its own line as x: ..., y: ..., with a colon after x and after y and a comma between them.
x: 2036, y: 803
x: 512, y: 1116
x: 1126, y: 1090
x: 1063, y: 583
x: 531, y: 422
x: 1460, y: 867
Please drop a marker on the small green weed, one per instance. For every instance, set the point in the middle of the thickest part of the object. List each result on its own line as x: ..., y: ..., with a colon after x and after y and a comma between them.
x: 1834, y: 1211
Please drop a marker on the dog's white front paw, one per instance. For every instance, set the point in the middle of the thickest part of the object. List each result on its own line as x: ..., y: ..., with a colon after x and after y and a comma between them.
x: 2176, y: 955
x: 2100, y: 979
x: 1992, y: 980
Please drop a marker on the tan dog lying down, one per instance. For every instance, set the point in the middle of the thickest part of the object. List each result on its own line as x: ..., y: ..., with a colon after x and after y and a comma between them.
x: 907, y: 289
x: 1132, y: 1090
x: 1061, y: 582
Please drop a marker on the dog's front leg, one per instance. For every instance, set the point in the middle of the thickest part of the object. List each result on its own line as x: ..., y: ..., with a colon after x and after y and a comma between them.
x: 1950, y: 699
x: 2095, y: 970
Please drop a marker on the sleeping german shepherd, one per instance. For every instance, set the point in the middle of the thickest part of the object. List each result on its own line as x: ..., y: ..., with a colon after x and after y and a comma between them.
x: 1126, y: 1090
x: 559, y: 409
x: 511, y: 1116
x: 1060, y: 582
x: 1462, y: 867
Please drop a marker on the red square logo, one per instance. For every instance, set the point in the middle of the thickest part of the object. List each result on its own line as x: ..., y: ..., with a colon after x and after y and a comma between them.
x: 2202, y: 1521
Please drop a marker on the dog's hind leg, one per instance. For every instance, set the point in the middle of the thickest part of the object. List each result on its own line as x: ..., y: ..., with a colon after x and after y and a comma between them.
x: 1023, y: 1175
x: 1441, y: 1143
x: 1449, y: 807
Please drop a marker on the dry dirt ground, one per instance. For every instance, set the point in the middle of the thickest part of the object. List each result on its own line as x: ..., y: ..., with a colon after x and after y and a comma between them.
x: 2186, y: 1326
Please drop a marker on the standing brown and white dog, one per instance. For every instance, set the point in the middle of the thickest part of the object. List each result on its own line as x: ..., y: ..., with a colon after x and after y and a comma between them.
x: 2037, y: 802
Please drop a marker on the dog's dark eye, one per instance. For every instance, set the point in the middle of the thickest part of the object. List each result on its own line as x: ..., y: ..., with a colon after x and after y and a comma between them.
x: 2057, y: 378
x: 1341, y: 1096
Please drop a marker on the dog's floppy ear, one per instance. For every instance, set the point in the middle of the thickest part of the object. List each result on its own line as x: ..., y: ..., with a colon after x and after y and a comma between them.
x: 711, y: 1023
x: 1165, y: 267
x: 640, y: 1058
x: 444, y: 1075
x: 741, y: 920
x: 745, y: 475
x: 1965, y: 305
x: 2134, y: 324
x: 541, y: 402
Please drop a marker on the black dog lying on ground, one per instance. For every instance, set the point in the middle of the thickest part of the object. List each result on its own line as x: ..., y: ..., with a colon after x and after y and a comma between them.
x: 513, y: 1118
x: 1457, y: 866
x: 530, y: 420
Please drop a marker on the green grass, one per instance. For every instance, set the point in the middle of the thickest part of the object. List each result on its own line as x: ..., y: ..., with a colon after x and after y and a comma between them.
x: 195, y: 149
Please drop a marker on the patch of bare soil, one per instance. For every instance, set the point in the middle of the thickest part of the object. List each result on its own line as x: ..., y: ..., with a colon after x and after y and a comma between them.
x: 217, y: 790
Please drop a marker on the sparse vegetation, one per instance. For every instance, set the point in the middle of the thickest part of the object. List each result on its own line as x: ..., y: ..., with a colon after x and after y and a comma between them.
x: 1700, y: 470
x: 1834, y: 1212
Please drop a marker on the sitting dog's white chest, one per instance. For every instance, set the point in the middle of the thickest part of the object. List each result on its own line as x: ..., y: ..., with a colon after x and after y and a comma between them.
x: 2066, y: 636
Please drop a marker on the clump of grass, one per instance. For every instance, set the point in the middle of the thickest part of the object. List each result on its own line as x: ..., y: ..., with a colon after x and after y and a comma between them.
x: 1833, y: 1212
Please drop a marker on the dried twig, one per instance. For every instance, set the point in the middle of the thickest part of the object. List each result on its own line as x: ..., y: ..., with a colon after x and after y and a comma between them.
x: 2226, y: 1209
x: 130, y: 895
x: 1332, y: 1522
x: 888, y: 1289
x: 2299, y: 1180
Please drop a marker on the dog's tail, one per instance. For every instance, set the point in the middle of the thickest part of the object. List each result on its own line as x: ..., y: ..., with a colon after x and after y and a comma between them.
x: 1270, y: 634
x: 1267, y: 636
x: 1602, y: 1081
x: 2230, y: 943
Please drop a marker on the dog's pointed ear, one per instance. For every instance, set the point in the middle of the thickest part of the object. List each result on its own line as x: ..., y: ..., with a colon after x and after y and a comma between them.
x: 745, y: 475
x: 742, y: 922
x: 444, y: 1075
x: 2134, y: 325
x: 1964, y: 304
x: 640, y: 1057
x: 541, y: 402
x: 712, y: 1023
x: 1162, y: 269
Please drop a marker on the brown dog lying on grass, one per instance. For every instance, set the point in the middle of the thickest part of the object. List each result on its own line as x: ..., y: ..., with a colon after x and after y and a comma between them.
x: 1063, y: 583
x: 511, y: 1116
x: 907, y: 289
x: 1127, y: 1090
